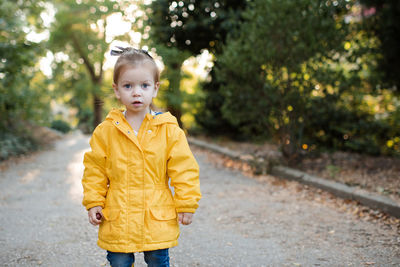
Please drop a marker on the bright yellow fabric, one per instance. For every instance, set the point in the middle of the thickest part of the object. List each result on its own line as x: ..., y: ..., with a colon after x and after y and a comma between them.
x: 128, y: 176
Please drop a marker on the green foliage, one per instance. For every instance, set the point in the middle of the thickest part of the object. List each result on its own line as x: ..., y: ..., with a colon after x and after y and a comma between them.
x: 61, y: 126
x: 22, y: 98
x: 80, y: 33
x: 311, y: 74
x: 382, y: 20
x: 333, y: 125
x: 170, y: 91
x: 73, y: 87
x: 17, y: 65
x: 193, y: 25
x: 210, y: 117
x: 269, y: 70
x: 310, y: 83
x: 186, y: 28
x: 12, y: 144
x: 392, y: 134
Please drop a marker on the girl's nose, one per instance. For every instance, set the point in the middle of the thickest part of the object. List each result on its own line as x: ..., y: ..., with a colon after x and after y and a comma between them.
x: 136, y: 91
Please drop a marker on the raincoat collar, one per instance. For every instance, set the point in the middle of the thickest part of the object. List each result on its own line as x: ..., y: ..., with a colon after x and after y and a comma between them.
x: 157, y: 119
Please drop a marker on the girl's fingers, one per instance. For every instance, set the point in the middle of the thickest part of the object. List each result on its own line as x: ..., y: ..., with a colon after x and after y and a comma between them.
x: 186, y: 220
x: 93, y: 220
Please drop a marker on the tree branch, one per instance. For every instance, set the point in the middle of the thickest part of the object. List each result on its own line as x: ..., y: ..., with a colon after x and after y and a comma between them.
x: 86, y: 61
x: 102, y: 54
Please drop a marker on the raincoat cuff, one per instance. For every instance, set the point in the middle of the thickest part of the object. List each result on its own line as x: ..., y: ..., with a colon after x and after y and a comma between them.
x: 91, y: 205
x: 189, y: 210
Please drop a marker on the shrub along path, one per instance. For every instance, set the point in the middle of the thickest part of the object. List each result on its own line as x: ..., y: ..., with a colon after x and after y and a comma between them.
x: 375, y: 174
x: 240, y: 222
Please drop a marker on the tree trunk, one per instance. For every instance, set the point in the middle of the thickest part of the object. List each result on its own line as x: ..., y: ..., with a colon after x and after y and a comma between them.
x: 288, y: 131
x: 177, y: 113
x: 174, y: 98
x: 97, y: 109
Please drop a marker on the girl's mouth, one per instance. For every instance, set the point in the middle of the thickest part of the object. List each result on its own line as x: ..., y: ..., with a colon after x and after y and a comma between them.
x: 136, y: 103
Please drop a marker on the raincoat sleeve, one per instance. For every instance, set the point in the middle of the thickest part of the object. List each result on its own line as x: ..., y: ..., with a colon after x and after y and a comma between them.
x: 95, y: 181
x: 183, y: 170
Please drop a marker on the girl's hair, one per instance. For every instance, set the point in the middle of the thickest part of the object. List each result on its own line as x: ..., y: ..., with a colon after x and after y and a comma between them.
x: 133, y: 57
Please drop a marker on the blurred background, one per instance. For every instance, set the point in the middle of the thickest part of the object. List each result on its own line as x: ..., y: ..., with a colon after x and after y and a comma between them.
x: 306, y: 75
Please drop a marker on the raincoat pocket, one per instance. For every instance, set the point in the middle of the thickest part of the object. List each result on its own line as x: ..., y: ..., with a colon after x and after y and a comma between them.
x: 163, y: 213
x: 163, y: 224
x: 110, y: 228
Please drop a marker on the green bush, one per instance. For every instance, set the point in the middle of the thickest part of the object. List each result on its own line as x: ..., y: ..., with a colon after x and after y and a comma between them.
x: 268, y: 71
x: 61, y: 126
x: 332, y: 126
x: 13, y: 145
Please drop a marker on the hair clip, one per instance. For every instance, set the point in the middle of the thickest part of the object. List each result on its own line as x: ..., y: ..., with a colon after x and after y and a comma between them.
x: 118, y: 52
x: 146, y: 53
x: 125, y: 49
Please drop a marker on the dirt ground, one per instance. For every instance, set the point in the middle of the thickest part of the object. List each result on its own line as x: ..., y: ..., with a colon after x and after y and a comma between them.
x: 241, y: 221
x: 375, y: 174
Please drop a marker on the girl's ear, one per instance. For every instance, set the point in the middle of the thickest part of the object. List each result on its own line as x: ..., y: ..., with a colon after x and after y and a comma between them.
x: 156, y: 87
x: 116, y: 92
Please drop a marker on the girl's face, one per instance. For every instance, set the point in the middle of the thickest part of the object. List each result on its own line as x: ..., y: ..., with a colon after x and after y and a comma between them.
x: 136, y: 88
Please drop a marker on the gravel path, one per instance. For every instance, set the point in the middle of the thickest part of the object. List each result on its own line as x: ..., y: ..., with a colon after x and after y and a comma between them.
x: 240, y: 222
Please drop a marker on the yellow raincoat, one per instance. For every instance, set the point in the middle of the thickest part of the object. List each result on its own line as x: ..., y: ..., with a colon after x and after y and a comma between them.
x: 127, y: 175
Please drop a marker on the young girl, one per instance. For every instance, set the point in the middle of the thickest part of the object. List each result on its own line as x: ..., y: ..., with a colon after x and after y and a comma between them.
x: 133, y: 154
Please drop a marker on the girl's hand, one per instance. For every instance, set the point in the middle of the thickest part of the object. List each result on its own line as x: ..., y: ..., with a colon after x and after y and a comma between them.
x: 95, y: 215
x: 185, y: 218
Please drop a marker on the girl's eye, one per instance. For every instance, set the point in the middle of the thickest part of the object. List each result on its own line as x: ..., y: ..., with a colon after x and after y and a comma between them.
x: 127, y: 86
x: 145, y: 85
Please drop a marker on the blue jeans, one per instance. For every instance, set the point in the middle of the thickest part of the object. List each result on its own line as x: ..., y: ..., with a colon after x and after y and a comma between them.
x: 154, y: 258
